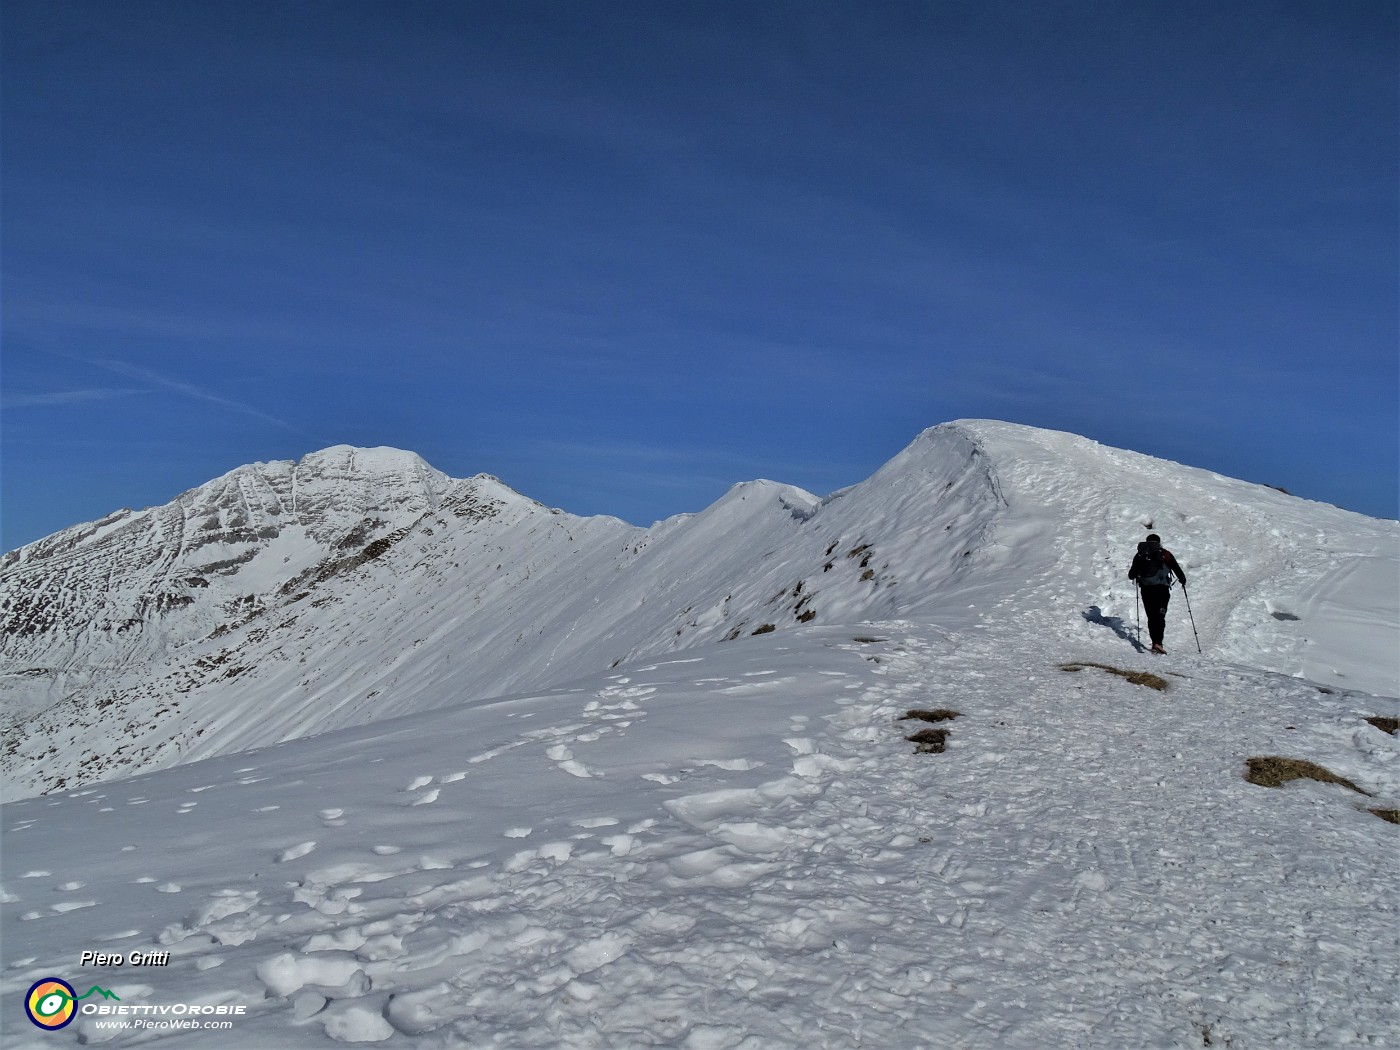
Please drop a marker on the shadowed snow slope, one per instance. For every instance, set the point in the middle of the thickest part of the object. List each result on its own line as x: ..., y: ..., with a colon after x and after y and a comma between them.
x: 448, y: 769
x: 284, y: 599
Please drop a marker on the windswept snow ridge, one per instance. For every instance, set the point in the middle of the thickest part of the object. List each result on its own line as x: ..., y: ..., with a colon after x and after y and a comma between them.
x: 286, y: 599
x: 520, y: 779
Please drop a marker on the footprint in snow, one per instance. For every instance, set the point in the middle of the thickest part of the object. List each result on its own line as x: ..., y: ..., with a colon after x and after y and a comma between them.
x: 554, y: 852
x: 752, y: 837
x: 68, y: 906
x: 486, y: 756
x: 565, y: 760
x: 620, y: 845
x: 715, y: 867
x: 120, y: 935
x: 727, y: 764
x: 301, y: 849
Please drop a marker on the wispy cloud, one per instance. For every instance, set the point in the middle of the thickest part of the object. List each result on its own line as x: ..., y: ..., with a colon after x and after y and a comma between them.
x: 190, y: 390
x: 67, y: 397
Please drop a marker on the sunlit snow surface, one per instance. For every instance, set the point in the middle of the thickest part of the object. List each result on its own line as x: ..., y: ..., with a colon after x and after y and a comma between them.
x: 732, y: 844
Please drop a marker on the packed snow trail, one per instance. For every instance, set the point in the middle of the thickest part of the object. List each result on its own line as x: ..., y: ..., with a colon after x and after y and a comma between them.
x: 738, y: 848
x: 1276, y: 582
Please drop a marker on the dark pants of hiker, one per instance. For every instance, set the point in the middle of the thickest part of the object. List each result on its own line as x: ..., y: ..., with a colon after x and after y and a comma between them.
x: 1154, y: 603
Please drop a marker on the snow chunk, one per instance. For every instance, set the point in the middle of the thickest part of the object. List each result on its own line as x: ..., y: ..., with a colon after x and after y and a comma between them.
x: 358, y: 1023
x: 290, y: 971
x: 594, y: 954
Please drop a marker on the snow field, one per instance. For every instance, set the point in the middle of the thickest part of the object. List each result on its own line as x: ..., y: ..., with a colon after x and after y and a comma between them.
x: 690, y: 842
x: 757, y: 858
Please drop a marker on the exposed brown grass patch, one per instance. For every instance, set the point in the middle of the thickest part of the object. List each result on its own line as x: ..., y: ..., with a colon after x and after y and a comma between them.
x: 1274, y: 771
x: 1392, y: 815
x: 1146, y: 678
x: 938, y: 714
x: 1385, y: 725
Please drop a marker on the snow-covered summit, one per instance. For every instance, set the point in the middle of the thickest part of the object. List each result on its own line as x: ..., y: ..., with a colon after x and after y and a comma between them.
x: 285, y: 599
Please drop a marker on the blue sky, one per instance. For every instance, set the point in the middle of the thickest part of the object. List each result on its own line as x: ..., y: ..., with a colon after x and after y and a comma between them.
x: 625, y: 254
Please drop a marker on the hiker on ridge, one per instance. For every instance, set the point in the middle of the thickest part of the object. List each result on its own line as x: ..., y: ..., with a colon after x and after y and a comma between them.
x: 1152, y: 569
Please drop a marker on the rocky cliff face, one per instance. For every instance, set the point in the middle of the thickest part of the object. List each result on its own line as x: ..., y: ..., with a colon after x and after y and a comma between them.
x: 113, y: 623
x: 116, y: 575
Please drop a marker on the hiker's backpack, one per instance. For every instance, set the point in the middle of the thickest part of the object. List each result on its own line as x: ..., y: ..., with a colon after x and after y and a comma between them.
x: 1152, y: 568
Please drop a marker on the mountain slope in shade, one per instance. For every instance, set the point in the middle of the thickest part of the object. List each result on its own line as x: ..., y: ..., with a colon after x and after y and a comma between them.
x: 284, y: 600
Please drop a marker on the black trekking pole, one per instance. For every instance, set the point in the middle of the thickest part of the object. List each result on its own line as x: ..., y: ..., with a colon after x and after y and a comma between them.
x: 1137, y: 591
x: 1185, y: 594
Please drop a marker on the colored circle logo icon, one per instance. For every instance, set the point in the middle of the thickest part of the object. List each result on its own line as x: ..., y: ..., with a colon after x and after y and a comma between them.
x: 50, y: 1003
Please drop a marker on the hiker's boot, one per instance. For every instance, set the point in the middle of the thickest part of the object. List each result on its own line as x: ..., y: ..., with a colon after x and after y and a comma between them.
x: 1157, y: 648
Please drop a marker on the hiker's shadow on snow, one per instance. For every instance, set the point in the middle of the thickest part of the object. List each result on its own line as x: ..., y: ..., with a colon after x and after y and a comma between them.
x: 1095, y: 615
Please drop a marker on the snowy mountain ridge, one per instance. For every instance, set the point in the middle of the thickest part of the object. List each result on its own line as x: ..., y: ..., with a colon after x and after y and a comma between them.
x: 495, y: 776
x: 286, y: 599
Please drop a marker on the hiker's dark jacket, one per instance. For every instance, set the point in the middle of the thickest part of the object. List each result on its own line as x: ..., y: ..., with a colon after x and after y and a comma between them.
x: 1139, y: 566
